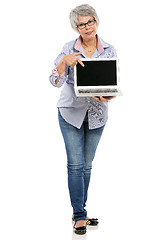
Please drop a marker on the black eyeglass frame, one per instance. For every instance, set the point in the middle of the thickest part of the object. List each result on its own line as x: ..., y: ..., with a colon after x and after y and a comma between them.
x: 84, y: 24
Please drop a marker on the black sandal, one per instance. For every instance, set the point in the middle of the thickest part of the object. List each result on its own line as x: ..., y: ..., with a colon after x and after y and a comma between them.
x: 79, y: 230
x: 92, y: 221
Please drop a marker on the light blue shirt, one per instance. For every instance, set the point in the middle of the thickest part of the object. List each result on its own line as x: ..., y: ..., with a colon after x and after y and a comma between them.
x: 72, y: 108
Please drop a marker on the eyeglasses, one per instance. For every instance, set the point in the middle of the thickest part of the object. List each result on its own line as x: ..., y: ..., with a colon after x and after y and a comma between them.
x: 89, y: 23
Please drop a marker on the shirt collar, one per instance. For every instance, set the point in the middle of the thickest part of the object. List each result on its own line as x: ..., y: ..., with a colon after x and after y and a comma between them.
x: 100, y: 44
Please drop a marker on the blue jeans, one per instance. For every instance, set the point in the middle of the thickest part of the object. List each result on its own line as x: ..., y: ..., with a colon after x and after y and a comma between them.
x: 80, y: 146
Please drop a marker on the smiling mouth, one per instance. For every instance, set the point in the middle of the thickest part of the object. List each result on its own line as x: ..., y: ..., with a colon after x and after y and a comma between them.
x: 89, y: 32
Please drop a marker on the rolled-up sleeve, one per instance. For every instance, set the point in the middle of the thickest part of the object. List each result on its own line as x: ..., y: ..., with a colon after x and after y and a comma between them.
x: 55, y: 75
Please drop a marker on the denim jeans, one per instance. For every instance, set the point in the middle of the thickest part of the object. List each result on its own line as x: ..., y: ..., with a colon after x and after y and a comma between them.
x: 80, y: 146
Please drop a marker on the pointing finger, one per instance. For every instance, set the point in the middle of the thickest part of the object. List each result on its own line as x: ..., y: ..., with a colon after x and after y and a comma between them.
x: 80, y: 62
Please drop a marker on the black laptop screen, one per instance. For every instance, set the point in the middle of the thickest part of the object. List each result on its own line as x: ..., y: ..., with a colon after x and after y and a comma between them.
x: 97, y: 73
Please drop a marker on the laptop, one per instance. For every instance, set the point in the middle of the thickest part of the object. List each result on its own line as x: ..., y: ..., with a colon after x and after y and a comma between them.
x: 99, y: 76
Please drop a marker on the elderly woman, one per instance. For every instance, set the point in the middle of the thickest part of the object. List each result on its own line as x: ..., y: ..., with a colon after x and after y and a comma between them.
x: 81, y: 119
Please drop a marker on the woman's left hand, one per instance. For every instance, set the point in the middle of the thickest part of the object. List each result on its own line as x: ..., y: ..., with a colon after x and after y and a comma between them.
x: 103, y: 99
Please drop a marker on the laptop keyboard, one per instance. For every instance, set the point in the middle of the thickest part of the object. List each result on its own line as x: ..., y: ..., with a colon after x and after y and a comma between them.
x: 97, y: 90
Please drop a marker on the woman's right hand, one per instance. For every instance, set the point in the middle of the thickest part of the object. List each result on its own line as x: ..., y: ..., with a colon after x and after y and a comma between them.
x: 72, y: 59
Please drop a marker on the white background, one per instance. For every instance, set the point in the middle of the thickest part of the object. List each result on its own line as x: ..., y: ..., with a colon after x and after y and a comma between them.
x: 124, y: 191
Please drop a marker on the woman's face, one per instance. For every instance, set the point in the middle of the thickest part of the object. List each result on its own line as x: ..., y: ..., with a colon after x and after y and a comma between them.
x: 88, y: 32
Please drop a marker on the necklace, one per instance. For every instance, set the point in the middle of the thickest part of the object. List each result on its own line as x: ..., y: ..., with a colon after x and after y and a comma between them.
x: 89, y: 50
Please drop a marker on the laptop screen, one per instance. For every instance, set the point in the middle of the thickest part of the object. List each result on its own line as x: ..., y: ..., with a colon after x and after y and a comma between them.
x: 97, y: 73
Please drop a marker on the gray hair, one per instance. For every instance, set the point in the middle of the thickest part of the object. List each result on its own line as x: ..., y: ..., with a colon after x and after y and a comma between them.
x: 82, y: 10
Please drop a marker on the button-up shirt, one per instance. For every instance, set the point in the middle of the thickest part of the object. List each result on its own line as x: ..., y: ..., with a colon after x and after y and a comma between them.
x: 72, y: 108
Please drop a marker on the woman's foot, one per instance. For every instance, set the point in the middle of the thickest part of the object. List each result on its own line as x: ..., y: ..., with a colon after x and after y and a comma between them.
x: 89, y: 221
x: 80, y: 223
x: 80, y: 227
